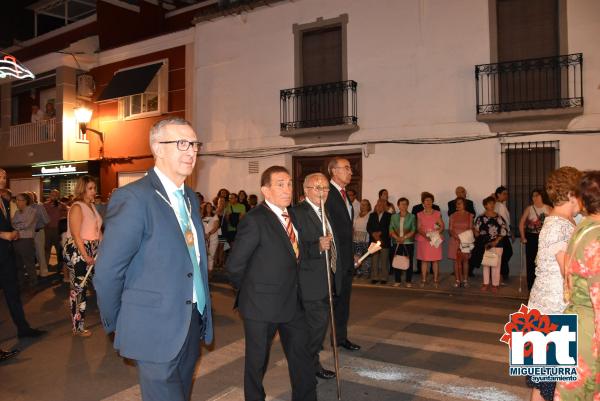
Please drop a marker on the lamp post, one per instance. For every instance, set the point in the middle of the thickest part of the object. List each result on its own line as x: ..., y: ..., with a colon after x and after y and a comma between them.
x: 83, y: 115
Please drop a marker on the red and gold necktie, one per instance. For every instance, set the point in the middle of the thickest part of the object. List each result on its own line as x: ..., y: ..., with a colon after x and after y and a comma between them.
x: 290, y: 233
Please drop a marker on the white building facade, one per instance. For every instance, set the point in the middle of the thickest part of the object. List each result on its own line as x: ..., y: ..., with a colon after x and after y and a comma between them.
x: 413, y: 62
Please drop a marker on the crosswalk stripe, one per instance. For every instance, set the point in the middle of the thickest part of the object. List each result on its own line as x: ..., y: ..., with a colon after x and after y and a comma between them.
x: 438, y: 344
x: 423, y: 382
x: 236, y: 394
x: 432, y: 304
x: 209, y: 362
x: 444, y: 321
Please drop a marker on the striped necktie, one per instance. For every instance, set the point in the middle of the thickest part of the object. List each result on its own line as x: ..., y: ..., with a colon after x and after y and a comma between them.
x: 290, y: 233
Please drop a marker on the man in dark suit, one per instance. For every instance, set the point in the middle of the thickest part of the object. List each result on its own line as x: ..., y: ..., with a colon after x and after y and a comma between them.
x: 151, y: 276
x: 8, y: 272
x: 341, y: 215
x: 461, y: 192
x: 263, y: 267
x: 313, y: 266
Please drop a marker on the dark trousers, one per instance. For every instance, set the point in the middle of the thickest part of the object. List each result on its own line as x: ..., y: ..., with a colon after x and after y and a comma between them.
x: 10, y: 284
x: 531, y: 249
x: 173, y: 380
x: 406, y: 250
x: 317, y: 317
x: 25, y: 260
x: 507, y: 253
x: 294, y: 338
x: 341, y: 304
x: 53, y: 239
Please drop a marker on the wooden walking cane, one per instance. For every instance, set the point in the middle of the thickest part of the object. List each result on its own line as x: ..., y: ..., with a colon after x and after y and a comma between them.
x: 330, y: 293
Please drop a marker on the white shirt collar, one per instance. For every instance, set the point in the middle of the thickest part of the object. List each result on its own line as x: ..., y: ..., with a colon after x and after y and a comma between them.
x: 276, y: 209
x: 315, y: 207
x: 169, y: 185
x: 336, y: 185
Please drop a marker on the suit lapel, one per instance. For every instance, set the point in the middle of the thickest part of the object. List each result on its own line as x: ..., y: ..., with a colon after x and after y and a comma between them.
x: 278, y: 227
x: 312, y: 215
x: 160, y: 192
x: 339, y: 199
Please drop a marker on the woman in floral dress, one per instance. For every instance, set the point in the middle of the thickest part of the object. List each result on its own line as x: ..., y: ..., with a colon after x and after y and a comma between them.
x: 582, y: 289
x: 546, y: 294
x: 489, y: 229
x: 81, y: 247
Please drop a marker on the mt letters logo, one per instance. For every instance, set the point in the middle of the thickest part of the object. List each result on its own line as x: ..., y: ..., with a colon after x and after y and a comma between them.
x: 542, y: 346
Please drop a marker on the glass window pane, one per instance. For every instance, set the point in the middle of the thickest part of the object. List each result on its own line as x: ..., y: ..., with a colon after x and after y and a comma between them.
x: 136, y: 104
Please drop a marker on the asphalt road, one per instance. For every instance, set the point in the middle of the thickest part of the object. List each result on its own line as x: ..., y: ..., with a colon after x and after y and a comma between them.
x: 416, y: 345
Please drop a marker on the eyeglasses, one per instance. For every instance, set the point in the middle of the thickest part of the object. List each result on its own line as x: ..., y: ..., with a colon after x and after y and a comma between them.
x: 184, y: 144
x: 324, y: 189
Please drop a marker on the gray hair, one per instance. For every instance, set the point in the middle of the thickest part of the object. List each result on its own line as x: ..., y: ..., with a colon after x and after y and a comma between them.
x: 312, y: 176
x: 157, y: 129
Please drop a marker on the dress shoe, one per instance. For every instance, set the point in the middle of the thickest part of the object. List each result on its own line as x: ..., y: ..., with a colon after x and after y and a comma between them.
x: 325, y: 374
x: 6, y: 355
x: 31, y: 333
x: 349, y: 345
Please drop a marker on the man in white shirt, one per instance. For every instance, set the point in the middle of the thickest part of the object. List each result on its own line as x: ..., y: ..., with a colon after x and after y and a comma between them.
x: 341, y: 216
x: 151, y: 273
x: 263, y: 268
x: 313, y: 264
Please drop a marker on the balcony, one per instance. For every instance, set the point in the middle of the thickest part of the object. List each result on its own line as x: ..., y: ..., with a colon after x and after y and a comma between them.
x: 319, y: 108
x: 549, y: 86
x: 43, y: 131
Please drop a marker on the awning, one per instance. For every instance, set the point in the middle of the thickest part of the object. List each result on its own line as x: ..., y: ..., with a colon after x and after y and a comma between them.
x: 130, y: 82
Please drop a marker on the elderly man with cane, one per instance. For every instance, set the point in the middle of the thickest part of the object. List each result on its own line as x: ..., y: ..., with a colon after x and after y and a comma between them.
x: 317, y: 257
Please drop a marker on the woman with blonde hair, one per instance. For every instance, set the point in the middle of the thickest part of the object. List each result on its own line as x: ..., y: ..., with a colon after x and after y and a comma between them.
x: 83, y: 236
x: 546, y: 294
x: 582, y: 291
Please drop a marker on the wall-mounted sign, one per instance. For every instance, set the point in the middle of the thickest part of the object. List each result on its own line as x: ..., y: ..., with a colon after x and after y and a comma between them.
x: 10, y: 68
x: 59, y: 169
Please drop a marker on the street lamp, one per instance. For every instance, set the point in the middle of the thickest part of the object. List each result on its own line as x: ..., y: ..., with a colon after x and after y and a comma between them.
x: 83, y: 115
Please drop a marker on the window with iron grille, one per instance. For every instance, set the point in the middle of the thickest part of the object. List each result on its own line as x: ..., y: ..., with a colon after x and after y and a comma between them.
x: 525, y: 167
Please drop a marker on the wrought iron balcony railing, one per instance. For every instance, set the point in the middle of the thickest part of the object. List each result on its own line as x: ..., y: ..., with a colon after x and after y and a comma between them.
x: 33, y: 133
x: 322, y: 105
x: 532, y: 84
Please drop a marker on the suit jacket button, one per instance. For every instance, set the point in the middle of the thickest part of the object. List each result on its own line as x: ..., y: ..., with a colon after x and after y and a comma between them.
x: 188, y: 302
x: 190, y: 275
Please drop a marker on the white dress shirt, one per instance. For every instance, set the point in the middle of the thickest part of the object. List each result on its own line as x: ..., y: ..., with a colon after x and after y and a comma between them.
x: 170, y: 188
x: 501, y: 209
x: 278, y: 212
x: 348, y: 204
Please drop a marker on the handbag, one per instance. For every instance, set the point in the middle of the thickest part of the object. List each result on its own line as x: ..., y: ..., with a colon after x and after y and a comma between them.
x: 466, y: 237
x: 490, y: 258
x: 400, y: 262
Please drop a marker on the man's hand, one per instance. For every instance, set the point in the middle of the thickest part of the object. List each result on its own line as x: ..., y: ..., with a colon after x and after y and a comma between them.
x: 325, y: 243
x: 9, y: 235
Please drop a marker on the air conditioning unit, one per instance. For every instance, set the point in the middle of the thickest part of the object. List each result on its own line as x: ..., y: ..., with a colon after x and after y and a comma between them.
x: 85, y: 86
